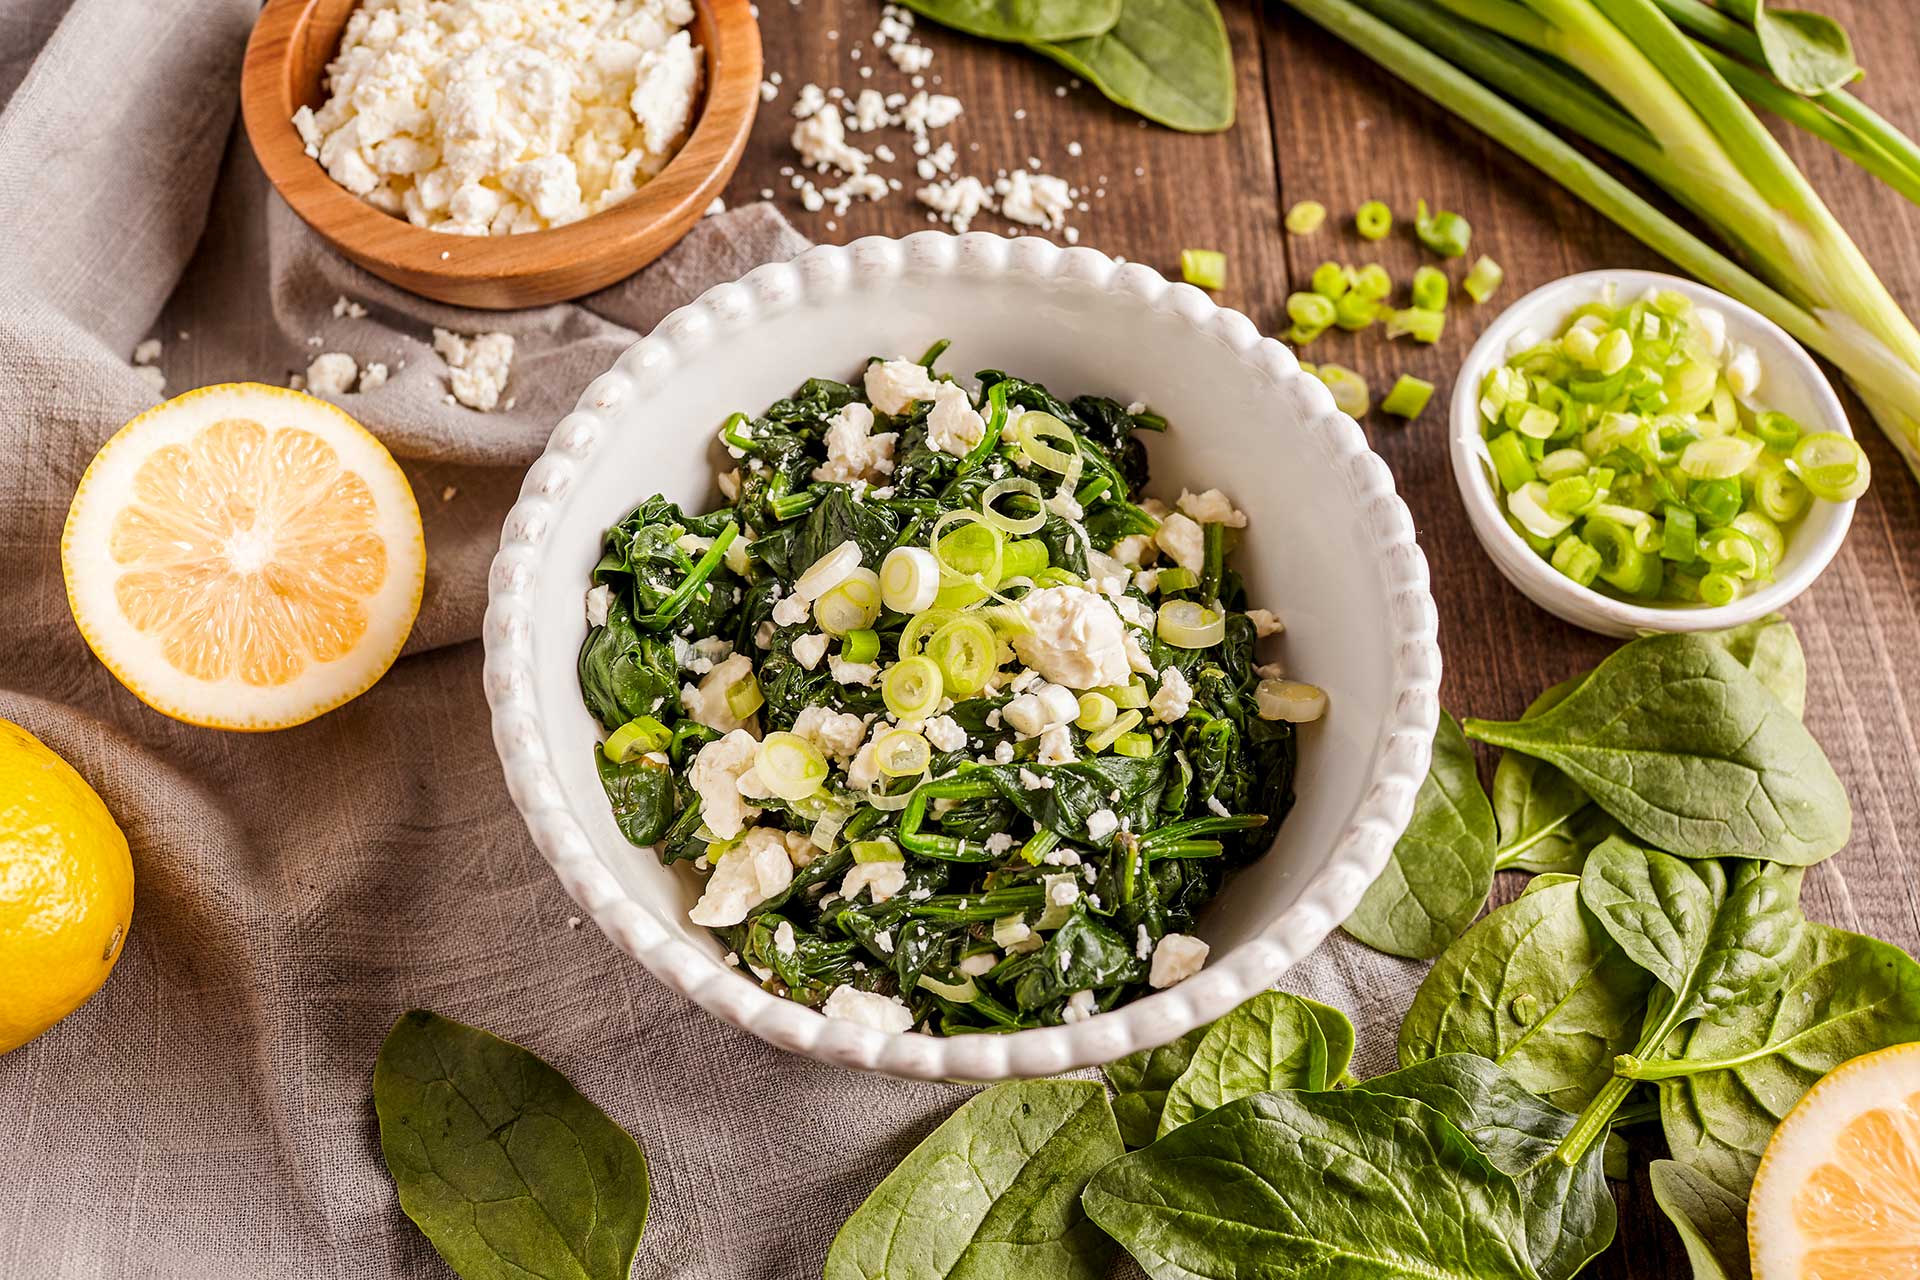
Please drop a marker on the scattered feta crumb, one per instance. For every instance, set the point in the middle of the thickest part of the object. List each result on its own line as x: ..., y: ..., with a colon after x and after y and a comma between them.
x: 598, y: 601
x: 748, y: 874
x: 1080, y: 1007
x: 477, y: 367
x: 332, y: 374
x: 810, y: 648
x: 373, y: 377
x: 343, y: 306
x: 1177, y: 958
x: 147, y: 352
x: 1101, y: 823
x: 156, y: 380
x: 869, y: 1009
x: 1265, y: 623
x: 1211, y: 507
x: 1172, y: 699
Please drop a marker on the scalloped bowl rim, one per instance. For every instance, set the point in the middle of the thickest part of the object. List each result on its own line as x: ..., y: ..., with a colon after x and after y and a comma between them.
x: 1357, y: 857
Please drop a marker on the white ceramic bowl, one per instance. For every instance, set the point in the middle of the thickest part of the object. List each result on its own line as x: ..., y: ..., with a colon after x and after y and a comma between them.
x: 1330, y: 548
x: 1791, y: 383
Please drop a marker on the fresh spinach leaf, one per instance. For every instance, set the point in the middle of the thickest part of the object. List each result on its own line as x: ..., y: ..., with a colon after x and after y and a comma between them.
x: 1337, y: 1030
x: 1656, y: 908
x: 1442, y: 868
x: 507, y: 1170
x: 1273, y: 1041
x: 1169, y: 60
x: 1022, y: 20
x: 1140, y: 1083
x: 993, y: 1192
x: 1809, y: 53
x: 641, y: 794
x: 1711, y: 1220
x: 1770, y: 648
x: 1743, y: 1068
x: 1570, y: 1212
x: 1300, y: 1184
x: 1681, y: 743
x: 1539, y: 988
x: 1542, y: 814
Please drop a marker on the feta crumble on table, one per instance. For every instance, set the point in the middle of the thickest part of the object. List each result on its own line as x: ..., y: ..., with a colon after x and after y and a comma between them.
x: 477, y: 367
x: 489, y: 117
x: 332, y: 374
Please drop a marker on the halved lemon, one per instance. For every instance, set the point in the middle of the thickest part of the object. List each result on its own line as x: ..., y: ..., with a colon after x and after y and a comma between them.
x: 1837, y: 1195
x: 244, y: 557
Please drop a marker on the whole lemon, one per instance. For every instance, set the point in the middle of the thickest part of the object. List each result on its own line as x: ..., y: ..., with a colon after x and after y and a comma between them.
x: 66, y: 888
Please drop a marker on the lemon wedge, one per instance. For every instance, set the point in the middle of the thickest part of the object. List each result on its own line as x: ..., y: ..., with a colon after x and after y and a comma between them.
x: 244, y: 557
x: 1837, y: 1195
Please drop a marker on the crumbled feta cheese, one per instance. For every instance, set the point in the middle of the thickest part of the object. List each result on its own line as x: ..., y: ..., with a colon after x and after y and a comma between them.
x: 1181, y: 538
x: 1265, y: 623
x: 1034, y: 781
x: 1101, y: 823
x: 479, y: 119
x: 598, y: 601
x: 1080, y: 1006
x: 953, y: 425
x: 346, y: 308
x: 1074, y: 637
x: 945, y: 733
x: 477, y: 367
x: 1142, y: 942
x: 869, y: 1009
x: 1062, y: 891
x: 147, y: 351
x: 860, y: 673
x: 881, y: 880
x: 810, y: 648
x: 978, y: 964
x: 998, y: 843
x: 1134, y: 550
x: 853, y: 452
x: 956, y: 201
x: 373, y: 377
x: 784, y: 942
x: 1177, y: 958
x: 1036, y: 199
x: 1003, y: 753
x: 715, y: 778
x: 1138, y: 659
x: 837, y: 734
x: 1061, y: 856
x: 1171, y: 700
x: 821, y: 140
x: 156, y: 380
x: 893, y: 385
x: 1219, y: 810
x: 708, y: 702
x: 1058, y: 704
x: 332, y: 374
x: 1025, y: 714
x: 1212, y: 507
x: 749, y: 873
x: 1056, y: 746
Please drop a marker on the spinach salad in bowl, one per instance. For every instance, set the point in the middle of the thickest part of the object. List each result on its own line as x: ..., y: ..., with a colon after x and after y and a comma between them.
x: 961, y: 729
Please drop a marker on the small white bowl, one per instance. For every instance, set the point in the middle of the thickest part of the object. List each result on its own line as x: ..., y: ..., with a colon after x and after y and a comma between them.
x: 1330, y: 547
x: 1790, y: 383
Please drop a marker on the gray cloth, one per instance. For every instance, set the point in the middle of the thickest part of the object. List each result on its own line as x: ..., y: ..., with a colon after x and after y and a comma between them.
x: 208, y: 1113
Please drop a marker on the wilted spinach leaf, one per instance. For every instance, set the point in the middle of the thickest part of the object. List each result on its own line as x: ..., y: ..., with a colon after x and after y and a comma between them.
x: 1346, y: 1183
x: 1442, y: 867
x: 994, y: 1191
x: 1081, y: 955
x: 1681, y: 743
x: 1273, y: 1041
x: 641, y: 794
x: 500, y: 1162
x: 624, y: 673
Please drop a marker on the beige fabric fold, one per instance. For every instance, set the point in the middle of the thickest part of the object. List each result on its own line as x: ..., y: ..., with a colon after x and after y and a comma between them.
x: 208, y: 1114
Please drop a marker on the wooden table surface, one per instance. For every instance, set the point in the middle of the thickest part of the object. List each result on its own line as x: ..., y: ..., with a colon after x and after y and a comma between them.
x: 1317, y: 121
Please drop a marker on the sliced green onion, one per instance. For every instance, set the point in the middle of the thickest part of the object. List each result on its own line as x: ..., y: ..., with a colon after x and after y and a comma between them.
x: 967, y: 653
x: 790, y: 766
x: 1430, y: 289
x: 854, y: 605
x: 902, y: 753
x: 1033, y: 433
x: 965, y: 991
x: 1679, y: 536
x: 1019, y: 525
x: 1123, y: 723
x: 920, y: 628
x: 1483, y: 279
x: 1531, y: 421
x: 912, y: 688
x: 1136, y: 745
x: 1289, y: 700
x: 744, y: 697
x: 1310, y: 310
x: 1576, y: 560
x: 829, y: 571
x: 1351, y: 395
x: 1622, y: 563
x: 1097, y: 711
x: 1777, y: 431
x: 1765, y: 534
x: 1719, y: 589
x: 909, y: 579
x: 1332, y: 281
x: 637, y: 736
x: 1528, y: 505
x: 1305, y: 217
x: 1127, y: 696
x: 1511, y: 461
x: 1175, y: 578
x: 1356, y: 311
x: 1408, y: 398
x: 1186, y: 624
x: 860, y: 645
x: 1719, y: 458
x: 878, y: 850
x: 1373, y: 220
x: 1419, y: 323
x: 1730, y: 551
x: 1204, y: 267
x: 1372, y: 282
x: 1561, y: 463
x: 1446, y: 233
x: 1779, y: 494
x: 1832, y: 466
x: 1570, y: 495
x: 1301, y: 335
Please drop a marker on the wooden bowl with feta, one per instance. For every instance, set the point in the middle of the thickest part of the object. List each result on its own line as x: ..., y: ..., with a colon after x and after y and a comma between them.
x: 502, y: 157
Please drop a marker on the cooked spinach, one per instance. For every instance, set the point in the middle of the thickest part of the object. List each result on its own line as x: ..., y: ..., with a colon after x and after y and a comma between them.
x: 993, y: 1192
x: 1540, y: 989
x: 643, y: 796
x: 1273, y: 1041
x: 1299, y: 1184
x: 1169, y: 60
x: 1442, y: 866
x: 1686, y: 748
x: 624, y: 674
x: 500, y: 1162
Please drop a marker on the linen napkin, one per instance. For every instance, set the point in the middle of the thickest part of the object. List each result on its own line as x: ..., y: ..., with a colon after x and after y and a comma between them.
x: 208, y: 1114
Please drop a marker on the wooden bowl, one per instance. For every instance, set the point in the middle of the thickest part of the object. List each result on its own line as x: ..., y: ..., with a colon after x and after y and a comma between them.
x: 285, y: 68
